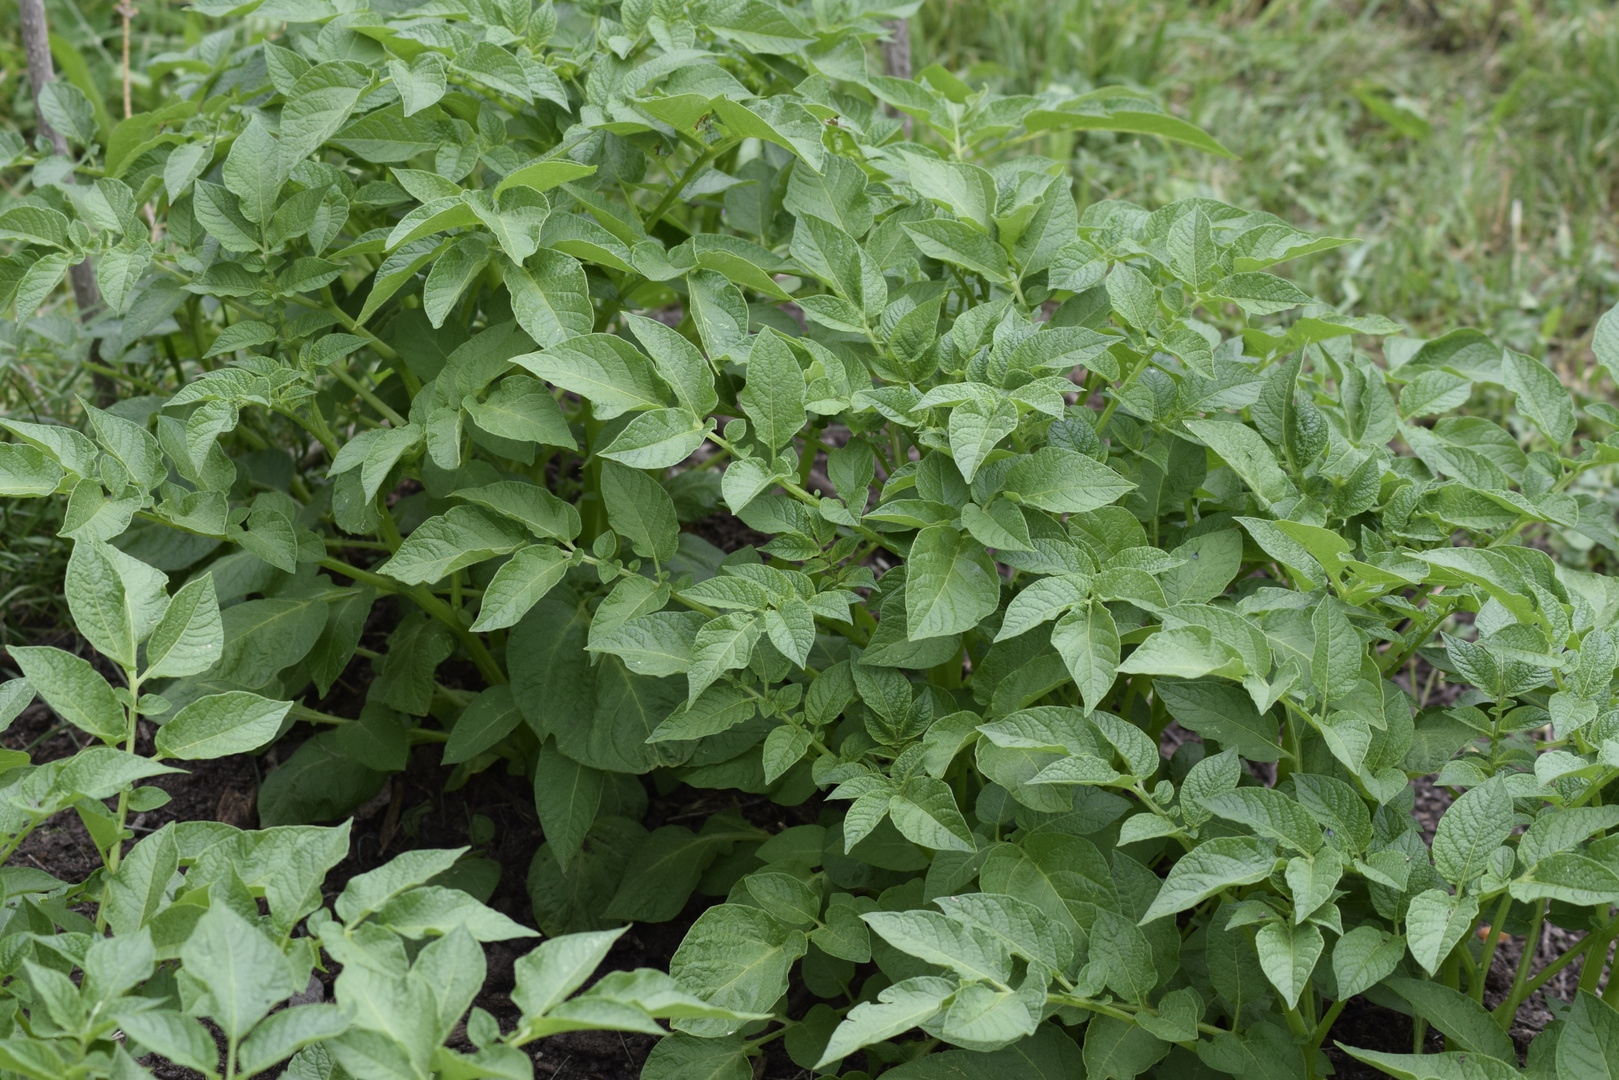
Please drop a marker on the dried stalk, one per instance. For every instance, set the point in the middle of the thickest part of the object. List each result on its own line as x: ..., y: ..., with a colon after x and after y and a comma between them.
x: 897, y: 60
x: 41, y: 72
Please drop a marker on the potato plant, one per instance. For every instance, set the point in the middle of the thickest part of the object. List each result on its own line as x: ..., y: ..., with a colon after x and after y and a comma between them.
x: 474, y: 314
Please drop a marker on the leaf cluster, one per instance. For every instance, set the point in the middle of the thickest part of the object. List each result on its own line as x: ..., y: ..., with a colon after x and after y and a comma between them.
x: 485, y: 312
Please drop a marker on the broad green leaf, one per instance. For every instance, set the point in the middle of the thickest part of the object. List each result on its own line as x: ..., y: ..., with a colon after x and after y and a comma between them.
x: 1470, y: 830
x: 1454, y: 1065
x: 1088, y: 642
x: 486, y: 720
x: 898, y: 1008
x: 1364, y: 957
x: 1540, y: 396
x: 460, y: 537
x: 566, y: 796
x: 959, y: 243
x: 551, y: 302
x: 73, y: 689
x: 1288, y: 954
x: 519, y: 584
x: 234, y: 722
x: 1589, y: 1044
x: 1434, y: 923
x: 612, y: 374
x: 242, y: 971
x: 1457, y: 1015
x: 774, y: 395
x: 938, y: 939
x: 1207, y: 869
x: 641, y: 511
x: 1242, y: 448
x: 735, y: 957
x: 1270, y: 814
x: 951, y: 585
x: 1065, y: 482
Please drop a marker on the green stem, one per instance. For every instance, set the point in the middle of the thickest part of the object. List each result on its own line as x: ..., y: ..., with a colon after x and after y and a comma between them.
x: 115, y: 853
x: 1507, y: 1011
x: 673, y: 194
x: 1325, y: 1026
x: 1494, y: 939
x: 368, y: 396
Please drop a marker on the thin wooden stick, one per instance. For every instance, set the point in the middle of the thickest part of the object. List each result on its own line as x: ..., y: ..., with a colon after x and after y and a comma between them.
x: 36, y: 39
x: 897, y: 60
x: 128, y: 11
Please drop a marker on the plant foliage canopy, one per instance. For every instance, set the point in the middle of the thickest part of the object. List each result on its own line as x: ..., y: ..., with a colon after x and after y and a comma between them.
x: 478, y: 313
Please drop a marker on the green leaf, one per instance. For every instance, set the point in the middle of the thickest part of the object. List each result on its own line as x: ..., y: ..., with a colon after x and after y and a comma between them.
x: 1242, y: 448
x: 236, y: 722
x: 1111, y: 109
x: 835, y: 194
x: 551, y: 301
x: 1207, y: 869
x: 721, y: 645
x: 1088, y: 642
x: 558, y: 967
x: 657, y: 439
x: 26, y: 471
x: 1434, y: 923
x: 898, y: 1008
x: 1335, y: 662
x: 178, y: 1037
x: 545, y: 174
x: 925, y: 813
x: 959, y: 243
x: 640, y: 510
x: 735, y: 957
x: 1540, y: 396
x: 457, y: 538
x: 1271, y: 814
x: 319, y: 103
x: 1365, y: 957
x: 519, y: 584
x: 1133, y: 296
x: 114, y: 599
x: 614, y: 375
x: 286, y: 1032
x: 939, y: 939
x: 241, y: 970
x: 252, y: 172
x: 1457, y: 1015
x: 73, y: 689
x: 1261, y: 294
x: 1589, y: 1044
x: 1470, y: 830
x: 679, y: 362
x: 951, y: 585
x: 1448, y: 1066
x: 487, y: 719
x: 567, y: 796
x: 683, y: 1057
x: 369, y: 892
x: 1065, y: 482
x: 543, y: 513
x: 1288, y: 954
x: 420, y: 83
x: 975, y: 429
x: 774, y: 395
x: 66, y: 108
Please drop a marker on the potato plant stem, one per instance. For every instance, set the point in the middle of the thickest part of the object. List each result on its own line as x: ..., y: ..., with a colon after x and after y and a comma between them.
x: 1494, y: 939
x: 1507, y: 1011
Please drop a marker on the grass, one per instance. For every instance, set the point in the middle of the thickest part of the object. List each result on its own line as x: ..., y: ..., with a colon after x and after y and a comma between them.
x: 1473, y: 146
